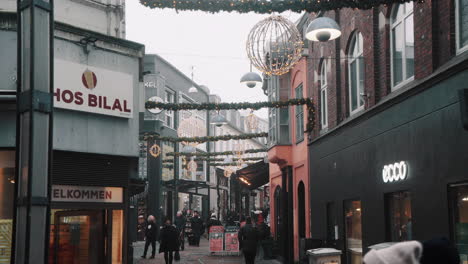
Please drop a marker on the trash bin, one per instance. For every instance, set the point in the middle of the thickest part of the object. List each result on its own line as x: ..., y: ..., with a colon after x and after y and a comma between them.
x: 324, y: 256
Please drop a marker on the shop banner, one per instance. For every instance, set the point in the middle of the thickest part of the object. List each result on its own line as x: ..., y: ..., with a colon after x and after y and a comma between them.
x: 91, y: 89
x: 216, y: 238
x: 68, y: 193
x: 231, y: 240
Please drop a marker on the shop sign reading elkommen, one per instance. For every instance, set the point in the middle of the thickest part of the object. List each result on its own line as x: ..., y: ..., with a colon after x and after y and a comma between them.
x: 90, y: 89
x: 90, y: 194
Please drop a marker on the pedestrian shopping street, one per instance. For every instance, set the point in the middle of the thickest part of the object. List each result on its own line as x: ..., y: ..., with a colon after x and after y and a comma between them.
x: 191, y: 254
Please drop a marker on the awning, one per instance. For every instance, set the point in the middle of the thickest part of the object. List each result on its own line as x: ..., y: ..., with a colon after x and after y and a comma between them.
x: 255, y: 175
x: 185, y: 185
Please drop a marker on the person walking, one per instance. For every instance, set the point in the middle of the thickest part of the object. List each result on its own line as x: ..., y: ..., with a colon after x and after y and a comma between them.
x: 248, y: 238
x: 150, y: 236
x: 264, y: 237
x: 180, y: 222
x: 169, y: 242
x: 197, y: 228
x: 213, y: 221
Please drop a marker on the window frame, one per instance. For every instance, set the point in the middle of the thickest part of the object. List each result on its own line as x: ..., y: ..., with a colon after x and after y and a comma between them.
x: 299, y: 114
x: 394, y: 24
x: 169, y: 114
x: 324, y: 89
x: 353, y: 57
x: 459, y: 49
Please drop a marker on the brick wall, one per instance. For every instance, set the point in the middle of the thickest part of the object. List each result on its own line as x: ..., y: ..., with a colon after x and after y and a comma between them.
x: 434, y: 35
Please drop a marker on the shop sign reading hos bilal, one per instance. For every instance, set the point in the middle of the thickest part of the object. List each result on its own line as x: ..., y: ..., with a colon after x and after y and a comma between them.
x: 397, y: 171
x: 84, y: 88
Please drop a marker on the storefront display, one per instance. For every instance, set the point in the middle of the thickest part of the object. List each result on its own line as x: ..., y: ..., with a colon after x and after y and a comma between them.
x: 7, y: 189
x: 459, y: 203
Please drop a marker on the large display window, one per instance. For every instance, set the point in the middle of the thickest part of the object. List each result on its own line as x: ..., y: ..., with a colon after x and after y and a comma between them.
x: 399, y: 220
x: 353, y: 214
x: 459, y: 207
x: 7, y: 190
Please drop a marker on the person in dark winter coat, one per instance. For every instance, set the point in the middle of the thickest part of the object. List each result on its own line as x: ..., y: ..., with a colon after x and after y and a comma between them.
x: 168, y: 241
x: 213, y: 221
x: 180, y: 223
x: 197, y: 228
x: 248, y: 239
x: 151, y: 234
x: 440, y: 251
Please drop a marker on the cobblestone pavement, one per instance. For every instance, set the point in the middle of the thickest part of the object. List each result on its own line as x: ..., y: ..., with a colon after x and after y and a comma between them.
x: 200, y: 255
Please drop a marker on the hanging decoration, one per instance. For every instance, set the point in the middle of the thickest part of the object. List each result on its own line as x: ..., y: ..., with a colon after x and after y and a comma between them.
x: 231, y: 164
x: 228, y: 171
x: 251, y: 121
x: 229, y: 106
x: 189, y: 128
x: 266, y: 6
x: 274, y: 45
x: 225, y: 160
x: 238, y: 149
x: 198, y: 140
x: 155, y: 150
x: 209, y: 154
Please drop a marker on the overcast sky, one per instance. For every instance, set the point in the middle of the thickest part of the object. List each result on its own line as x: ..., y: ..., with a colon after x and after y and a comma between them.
x: 213, y: 43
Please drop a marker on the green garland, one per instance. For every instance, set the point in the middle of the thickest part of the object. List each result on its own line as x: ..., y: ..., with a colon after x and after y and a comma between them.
x: 208, y: 154
x: 228, y: 164
x: 228, y: 106
x: 215, y: 159
x: 266, y: 6
x: 147, y: 136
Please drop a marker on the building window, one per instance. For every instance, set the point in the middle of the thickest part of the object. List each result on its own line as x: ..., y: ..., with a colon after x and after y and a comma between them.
x: 353, y: 229
x: 461, y: 16
x: 170, y: 98
x: 356, y: 74
x: 459, y: 212
x: 399, y: 222
x: 402, y: 48
x: 299, y: 116
x: 324, y: 95
x: 7, y: 194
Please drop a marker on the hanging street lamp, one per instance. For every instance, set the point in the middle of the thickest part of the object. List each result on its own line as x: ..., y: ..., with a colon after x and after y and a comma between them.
x: 193, y: 89
x: 323, y: 29
x: 251, y: 79
x: 218, y: 120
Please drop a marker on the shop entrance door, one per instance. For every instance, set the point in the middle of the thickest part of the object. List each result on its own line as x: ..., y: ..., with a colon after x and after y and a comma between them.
x: 79, y: 237
x: 353, y: 237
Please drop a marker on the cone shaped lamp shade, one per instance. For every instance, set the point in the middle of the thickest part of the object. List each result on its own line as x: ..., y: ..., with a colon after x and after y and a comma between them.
x: 193, y: 89
x: 218, y: 120
x: 251, y: 79
x: 323, y: 29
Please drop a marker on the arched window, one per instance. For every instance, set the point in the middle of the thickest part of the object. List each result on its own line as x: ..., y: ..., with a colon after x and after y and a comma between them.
x: 324, y: 94
x: 402, y: 48
x: 356, y: 74
x: 461, y: 18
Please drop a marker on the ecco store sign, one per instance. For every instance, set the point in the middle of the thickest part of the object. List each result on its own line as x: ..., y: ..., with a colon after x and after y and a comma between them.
x: 90, y: 89
x: 395, y: 172
x: 89, y: 194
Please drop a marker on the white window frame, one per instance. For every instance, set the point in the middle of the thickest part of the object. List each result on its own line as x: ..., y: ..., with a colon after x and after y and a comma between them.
x: 394, y: 24
x: 353, y: 57
x: 459, y: 49
x: 324, y: 91
x: 169, y: 114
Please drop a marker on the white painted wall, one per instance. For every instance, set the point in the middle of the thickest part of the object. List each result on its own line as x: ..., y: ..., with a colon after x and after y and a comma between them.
x: 102, y: 16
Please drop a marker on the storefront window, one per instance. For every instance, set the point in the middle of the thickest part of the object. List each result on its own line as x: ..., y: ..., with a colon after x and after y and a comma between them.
x: 399, y: 222
x: 7, y: 184
x: 117, y: 233
x: 353, y: 213
x: 168, y: 161
x: 184, y: 201
x: 459, y: 205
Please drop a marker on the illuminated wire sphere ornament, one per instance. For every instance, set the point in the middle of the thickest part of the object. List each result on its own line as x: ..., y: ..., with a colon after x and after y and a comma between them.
x: 238, y: 149
x: 251, y: 121
x: 251, y: 79
x: 274, y: 45
x: 323, y: 29
x: 191, y: 127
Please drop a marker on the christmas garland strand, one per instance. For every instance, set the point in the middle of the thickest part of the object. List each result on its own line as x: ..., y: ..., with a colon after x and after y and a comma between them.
x: 147, y: 136
x: 228, y: 106
x: 229, y: 164
x: 266, y: 6
x: 208, y: 154
x: 216, y: 159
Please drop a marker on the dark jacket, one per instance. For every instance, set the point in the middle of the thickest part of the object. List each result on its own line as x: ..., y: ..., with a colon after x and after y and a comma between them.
x: 180, y: 223
x: 169, y: 239
x: 213, y: 222
x: 248, y: 238
x: 197, y: 225
x: 151, y: 232
x: 263, y: 231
